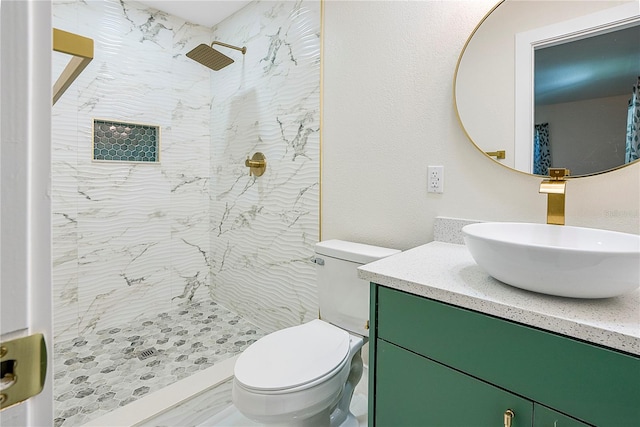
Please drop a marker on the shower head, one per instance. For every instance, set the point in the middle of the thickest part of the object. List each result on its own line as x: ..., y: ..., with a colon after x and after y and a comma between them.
x: 209, y: 57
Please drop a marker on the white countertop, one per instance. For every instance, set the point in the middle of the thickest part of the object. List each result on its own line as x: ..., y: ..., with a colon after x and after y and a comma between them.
x: 446, y: 272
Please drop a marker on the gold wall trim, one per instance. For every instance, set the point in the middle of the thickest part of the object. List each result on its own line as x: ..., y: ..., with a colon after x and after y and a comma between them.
x: 321, y: 118
x: 81, y: 50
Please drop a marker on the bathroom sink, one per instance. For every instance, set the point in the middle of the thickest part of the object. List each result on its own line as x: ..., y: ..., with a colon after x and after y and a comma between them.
x: 555, y: 259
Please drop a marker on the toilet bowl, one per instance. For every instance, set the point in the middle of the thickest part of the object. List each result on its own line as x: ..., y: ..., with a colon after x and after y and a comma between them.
x: 305, y: 375
x: 296, y: 376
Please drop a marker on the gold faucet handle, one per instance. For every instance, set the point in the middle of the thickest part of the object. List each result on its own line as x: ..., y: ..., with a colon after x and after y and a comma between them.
x: 500, y: 154
x: 558, y: 173
x: 256, y: 164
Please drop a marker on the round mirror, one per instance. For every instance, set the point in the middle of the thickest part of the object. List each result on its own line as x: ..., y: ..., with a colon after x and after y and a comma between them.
x: 544, y: 84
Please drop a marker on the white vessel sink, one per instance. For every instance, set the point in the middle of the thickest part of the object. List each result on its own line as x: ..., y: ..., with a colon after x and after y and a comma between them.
x: 555, y: 259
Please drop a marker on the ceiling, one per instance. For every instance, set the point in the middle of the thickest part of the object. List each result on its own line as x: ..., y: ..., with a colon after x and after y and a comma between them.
x: 203, y: 12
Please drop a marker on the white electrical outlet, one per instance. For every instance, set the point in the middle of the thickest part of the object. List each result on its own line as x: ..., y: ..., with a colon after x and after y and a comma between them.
x: 435, y: 181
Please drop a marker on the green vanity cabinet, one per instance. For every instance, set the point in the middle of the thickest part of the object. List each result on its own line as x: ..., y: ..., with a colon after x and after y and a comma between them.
x: 545, y: 417
x: 434, y: 364
x: 420, y: 392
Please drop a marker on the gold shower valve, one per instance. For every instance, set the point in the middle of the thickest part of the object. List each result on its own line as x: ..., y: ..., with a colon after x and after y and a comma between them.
x: 256, y: 164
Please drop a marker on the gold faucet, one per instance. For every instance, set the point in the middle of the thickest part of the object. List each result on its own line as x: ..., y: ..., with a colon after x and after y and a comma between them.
x: 554, y: 187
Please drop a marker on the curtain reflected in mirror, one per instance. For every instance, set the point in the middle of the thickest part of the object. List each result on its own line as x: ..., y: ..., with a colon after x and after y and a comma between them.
x: 541, y: 149
x: 632, y: 151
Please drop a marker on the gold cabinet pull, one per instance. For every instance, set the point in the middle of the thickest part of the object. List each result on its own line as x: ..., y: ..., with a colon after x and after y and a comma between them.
x: 508, y: 417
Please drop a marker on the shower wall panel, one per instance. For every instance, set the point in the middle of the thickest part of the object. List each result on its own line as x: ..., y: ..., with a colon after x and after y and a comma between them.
x: 129, y: 239
x: 263, y: 230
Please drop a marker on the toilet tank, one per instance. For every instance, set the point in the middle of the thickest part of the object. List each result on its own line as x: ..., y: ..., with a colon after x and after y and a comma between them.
x: 343, y: 297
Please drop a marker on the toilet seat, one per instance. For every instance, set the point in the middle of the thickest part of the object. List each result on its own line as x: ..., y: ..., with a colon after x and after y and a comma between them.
x: 293, y: 357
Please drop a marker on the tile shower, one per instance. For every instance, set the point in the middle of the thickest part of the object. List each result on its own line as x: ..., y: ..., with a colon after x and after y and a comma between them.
x: 187, y: 257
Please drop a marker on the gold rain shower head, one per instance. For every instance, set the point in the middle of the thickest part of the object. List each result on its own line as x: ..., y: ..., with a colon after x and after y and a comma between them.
x: 209, y: 57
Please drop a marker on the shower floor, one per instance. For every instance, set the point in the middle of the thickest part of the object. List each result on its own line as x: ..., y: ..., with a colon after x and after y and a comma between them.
x: 112, y: 367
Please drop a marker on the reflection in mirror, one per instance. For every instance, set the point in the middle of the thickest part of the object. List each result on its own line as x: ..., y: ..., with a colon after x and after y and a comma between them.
x: 587, y: 62
x: 581, y: 97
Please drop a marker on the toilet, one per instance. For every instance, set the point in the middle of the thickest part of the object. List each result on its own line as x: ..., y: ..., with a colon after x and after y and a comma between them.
x: 305, y: 375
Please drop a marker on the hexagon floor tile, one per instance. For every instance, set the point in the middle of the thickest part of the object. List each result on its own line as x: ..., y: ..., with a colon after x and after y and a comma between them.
x: 112, y: 367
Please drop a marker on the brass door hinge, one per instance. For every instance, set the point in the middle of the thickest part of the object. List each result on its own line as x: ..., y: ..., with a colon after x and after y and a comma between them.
x: 24, y: 366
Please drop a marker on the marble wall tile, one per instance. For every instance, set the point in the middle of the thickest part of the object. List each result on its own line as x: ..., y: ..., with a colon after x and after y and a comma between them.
x: 64, y: 193
x: 133, y: 238
x: 263, y: 229
x: 187, y: 164
x: 127, y: 236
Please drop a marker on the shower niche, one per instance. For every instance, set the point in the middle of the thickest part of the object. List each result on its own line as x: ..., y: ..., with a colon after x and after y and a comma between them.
x: 125, y: 142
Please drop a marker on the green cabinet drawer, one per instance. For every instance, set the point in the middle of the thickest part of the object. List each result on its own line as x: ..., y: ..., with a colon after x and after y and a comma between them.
x: 593, y: 384
x: 545, y: 417
x: 414, y: 391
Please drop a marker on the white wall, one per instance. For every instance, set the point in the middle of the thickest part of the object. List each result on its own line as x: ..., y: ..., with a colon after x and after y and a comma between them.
x: 389, y: 112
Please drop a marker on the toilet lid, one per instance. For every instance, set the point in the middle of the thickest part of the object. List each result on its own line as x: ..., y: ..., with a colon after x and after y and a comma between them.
x: 292, y: 357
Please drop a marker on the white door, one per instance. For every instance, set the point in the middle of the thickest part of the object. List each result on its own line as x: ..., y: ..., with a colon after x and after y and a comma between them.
x: 25, y: 208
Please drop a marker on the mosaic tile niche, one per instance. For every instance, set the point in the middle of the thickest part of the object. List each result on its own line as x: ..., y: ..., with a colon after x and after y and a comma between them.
x: 125, y: 142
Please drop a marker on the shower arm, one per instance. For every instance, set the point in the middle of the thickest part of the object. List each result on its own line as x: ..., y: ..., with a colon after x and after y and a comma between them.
x: 242, y: 49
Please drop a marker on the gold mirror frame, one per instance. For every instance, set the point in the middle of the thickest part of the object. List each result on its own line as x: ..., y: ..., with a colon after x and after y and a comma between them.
x: 494, y: 156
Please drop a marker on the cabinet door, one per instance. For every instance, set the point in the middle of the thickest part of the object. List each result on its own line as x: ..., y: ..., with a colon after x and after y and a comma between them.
x: 545, y: 417
x: 594, y: 384
x: 411, y: 390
